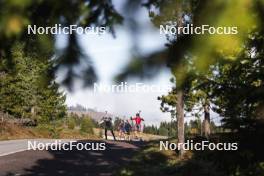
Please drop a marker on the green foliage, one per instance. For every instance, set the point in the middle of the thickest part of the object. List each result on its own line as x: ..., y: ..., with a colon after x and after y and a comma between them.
x: 193, y: 128
x: 16, y: 15
x: 165, y: 129
x: 150, y: 129
x: 170, y: 128
x: 26, y: 91
x: 87, y: 126
x: 52, y: 130
x: 223, y: 71
x: 71, y: 123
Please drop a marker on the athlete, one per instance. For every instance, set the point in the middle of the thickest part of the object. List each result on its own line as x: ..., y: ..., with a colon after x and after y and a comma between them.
x: 128, y: 129
x: 121, y: 128
x: 138, y: 121
x: 133, y: 129
x: 108, y: 125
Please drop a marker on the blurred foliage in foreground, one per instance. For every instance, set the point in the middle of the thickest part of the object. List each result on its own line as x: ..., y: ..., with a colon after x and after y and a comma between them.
x: 15, y: 15
x: 222, y: 71
x: 225, y: 71
x: 28, y: 63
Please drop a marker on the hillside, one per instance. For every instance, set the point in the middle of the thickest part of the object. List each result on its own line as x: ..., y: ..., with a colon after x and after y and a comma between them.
x: 94, y: 114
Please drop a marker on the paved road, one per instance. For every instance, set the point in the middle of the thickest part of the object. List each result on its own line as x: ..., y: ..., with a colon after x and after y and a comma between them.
x: 72, y: 163
x: 14, y: 146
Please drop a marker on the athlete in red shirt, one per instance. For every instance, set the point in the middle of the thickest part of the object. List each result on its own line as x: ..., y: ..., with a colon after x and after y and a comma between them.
x: 138, y: 120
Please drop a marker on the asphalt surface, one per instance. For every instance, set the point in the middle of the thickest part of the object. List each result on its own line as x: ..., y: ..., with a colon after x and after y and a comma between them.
x: 14, y: 146
x: 70, y: 163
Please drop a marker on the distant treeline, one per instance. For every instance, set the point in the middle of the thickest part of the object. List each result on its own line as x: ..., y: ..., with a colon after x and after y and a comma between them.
x: 194, y: 127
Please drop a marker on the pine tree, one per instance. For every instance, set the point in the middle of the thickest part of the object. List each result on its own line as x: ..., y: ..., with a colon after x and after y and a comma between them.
x: 26, y: 90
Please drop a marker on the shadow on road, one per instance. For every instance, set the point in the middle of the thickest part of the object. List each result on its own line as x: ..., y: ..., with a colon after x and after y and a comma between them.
x: 76, y: 162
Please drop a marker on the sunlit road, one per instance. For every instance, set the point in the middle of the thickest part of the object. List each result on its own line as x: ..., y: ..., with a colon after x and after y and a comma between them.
x: 14, y: 146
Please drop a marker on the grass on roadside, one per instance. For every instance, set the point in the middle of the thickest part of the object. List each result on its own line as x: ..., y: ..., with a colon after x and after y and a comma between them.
x: 155, y: 162
x: 57, y: 129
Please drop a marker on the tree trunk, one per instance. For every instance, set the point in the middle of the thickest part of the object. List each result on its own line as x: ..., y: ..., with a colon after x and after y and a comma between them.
x: 206, y: 123
x: 180, y: 119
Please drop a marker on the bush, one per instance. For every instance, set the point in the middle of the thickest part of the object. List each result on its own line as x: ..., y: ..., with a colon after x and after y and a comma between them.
x: 163, y: 131
x: 87, y: 126
x: 50, y: 130
x: 71, y: 123
x: 55, y: 132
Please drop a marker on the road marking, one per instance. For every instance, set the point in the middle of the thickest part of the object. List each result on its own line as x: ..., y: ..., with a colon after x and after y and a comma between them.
x: 9, y: 153
x: 26, y: 149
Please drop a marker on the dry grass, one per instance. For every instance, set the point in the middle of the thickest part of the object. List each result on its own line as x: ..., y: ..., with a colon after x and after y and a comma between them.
x: 10, y: 131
